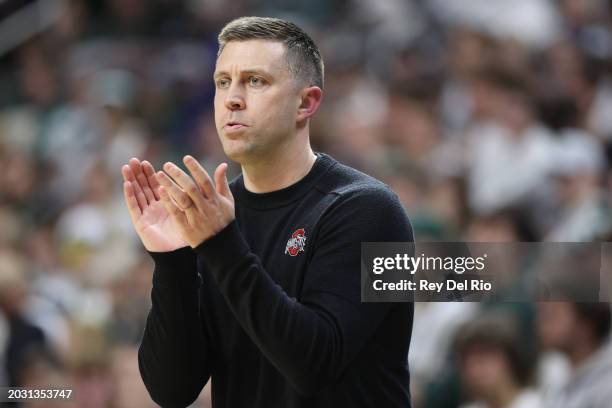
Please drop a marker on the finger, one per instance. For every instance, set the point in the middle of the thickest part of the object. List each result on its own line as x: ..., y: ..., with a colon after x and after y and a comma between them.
x: 128, y: 175
x: 136, y: 167
x: 187, y: 184
x: 175, y: 212
x: 130, y: 200
x: 200, y: 176
x: 174, y: 191
x: 149, y: 171
x: 146, y: 189
x: 221, y: 182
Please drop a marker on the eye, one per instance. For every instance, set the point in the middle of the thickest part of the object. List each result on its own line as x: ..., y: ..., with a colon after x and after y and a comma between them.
x: 223, y: 83
x: 255, y: 81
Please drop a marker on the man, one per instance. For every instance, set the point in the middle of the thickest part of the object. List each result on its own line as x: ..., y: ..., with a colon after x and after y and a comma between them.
x: 581, y: 332
x: 21, y: 342
x: 257, y: 283
x: 495, y: 363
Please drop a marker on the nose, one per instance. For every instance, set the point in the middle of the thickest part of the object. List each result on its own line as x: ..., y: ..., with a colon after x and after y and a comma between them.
x: 235, y: 100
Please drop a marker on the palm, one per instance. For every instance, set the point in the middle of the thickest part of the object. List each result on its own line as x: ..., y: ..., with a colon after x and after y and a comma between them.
x: 151, y: 220
x: 157, y: 230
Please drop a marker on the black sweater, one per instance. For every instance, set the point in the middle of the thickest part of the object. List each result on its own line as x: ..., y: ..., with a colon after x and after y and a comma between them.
x: 270, y: 307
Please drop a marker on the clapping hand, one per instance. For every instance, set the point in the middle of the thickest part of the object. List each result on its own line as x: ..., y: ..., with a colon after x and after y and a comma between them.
x: 198, y: 209
x: 156, y: 228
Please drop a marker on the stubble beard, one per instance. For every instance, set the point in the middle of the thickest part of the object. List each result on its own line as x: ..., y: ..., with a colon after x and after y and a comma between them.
x: 253, y: 150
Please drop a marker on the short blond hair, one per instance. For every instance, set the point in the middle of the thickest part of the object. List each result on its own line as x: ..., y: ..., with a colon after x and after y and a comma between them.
x: 303, y: 55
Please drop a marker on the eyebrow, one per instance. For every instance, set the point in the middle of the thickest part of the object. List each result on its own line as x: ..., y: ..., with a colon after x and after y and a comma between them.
x: 259, y: 71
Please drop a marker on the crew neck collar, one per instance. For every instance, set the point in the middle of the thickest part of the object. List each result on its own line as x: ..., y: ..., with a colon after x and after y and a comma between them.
x: 284, y: 196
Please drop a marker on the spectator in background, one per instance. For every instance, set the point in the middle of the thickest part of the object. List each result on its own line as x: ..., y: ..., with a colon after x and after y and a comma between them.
x: 95, y: 226
x: 468, y: 53
x: 583, y: 213
x: 581, y: 332
x: 412, y: 129
x: 494, y: 365
x: 25, y: 341
x: 509, y: 142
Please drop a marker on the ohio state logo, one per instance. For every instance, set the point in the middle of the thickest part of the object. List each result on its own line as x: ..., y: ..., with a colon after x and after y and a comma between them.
x: 296, y: 243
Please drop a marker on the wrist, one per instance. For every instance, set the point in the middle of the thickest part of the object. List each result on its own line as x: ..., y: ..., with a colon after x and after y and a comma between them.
x: 173, y: 267
x: 225, y: 248
x: 195, y: 243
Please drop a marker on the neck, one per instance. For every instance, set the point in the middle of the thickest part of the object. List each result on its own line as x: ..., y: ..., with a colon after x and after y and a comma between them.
x: 581, y: 353
x: 279, y: 170
x: 504, y: 395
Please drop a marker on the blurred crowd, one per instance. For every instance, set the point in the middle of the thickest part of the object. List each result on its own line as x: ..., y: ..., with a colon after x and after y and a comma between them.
x: 491, y: 119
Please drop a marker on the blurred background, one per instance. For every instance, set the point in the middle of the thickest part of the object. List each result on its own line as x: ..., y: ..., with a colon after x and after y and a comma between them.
x: 491, y: 119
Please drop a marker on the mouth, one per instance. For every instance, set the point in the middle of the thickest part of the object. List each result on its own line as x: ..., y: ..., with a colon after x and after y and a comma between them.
x: 234, y: 126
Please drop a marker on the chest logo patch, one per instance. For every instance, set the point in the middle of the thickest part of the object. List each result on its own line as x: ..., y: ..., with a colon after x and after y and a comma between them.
x: 296, y: 243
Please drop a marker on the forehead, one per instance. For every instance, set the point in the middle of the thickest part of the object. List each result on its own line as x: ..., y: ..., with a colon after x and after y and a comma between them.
x: 266, y: 54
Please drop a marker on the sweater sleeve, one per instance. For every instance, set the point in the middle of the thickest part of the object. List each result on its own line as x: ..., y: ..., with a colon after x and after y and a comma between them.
x: 173, y: 356
x: 312, y: 340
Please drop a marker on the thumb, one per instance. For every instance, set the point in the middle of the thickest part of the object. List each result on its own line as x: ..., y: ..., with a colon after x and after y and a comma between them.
x: 221, y: 182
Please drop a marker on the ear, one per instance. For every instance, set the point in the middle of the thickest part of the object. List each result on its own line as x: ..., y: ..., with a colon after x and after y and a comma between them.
x: 310, y: 99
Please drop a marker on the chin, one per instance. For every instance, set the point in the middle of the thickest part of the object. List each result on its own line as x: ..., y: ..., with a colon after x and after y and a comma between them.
x: 245, y: 150
x: 237, y: 151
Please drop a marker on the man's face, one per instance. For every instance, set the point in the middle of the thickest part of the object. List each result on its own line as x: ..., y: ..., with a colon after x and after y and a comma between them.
x: 485, y: 369
x: 256, y: 99
x: 557, y: 324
